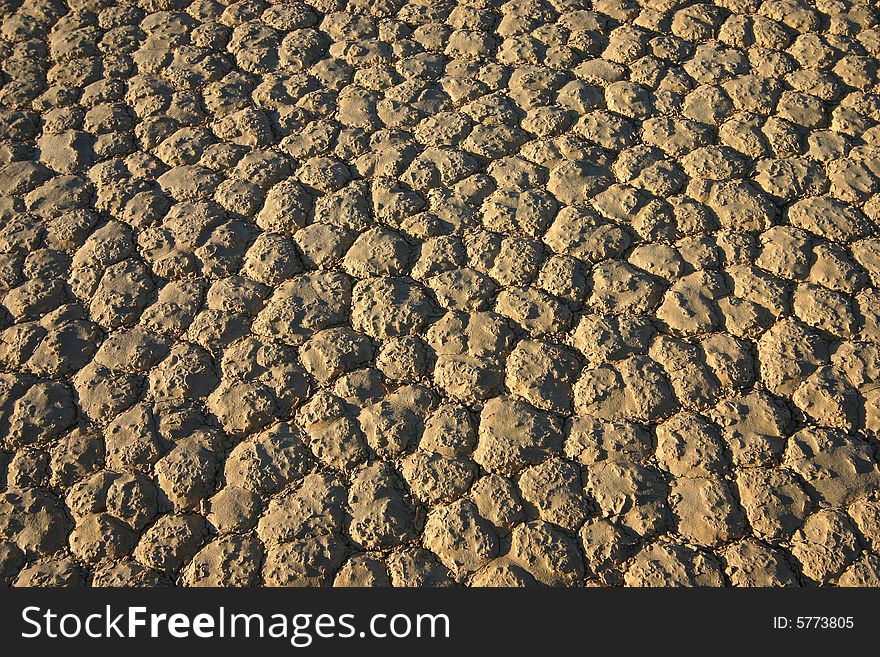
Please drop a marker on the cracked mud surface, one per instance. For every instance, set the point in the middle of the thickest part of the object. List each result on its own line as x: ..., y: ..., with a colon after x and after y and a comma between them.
x: 382, y: 293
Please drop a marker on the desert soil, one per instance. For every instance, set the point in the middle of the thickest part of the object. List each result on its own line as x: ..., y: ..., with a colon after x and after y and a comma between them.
x: 549, y: 292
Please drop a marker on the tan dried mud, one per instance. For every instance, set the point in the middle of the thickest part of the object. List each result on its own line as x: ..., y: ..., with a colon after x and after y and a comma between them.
x: 428, y: 293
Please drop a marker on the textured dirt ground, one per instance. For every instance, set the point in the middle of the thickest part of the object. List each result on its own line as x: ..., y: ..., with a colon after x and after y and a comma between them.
x: 414, y: 294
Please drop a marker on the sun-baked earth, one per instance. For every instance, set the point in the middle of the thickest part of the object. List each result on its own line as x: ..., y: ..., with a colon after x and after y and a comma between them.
x: 371, y: 292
